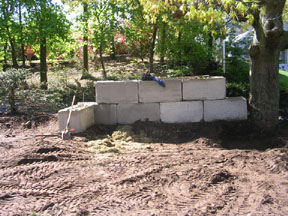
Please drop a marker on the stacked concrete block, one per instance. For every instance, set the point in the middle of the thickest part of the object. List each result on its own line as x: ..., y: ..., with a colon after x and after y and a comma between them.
x: 130, y: 113
x: 105, y: 114
x: 82, y: 117
x: 181, y: 101
x: 181, y: 112
x: 151, y: 91
x: 228, y: 109
x: 114, y: 92
x: 212, y: 88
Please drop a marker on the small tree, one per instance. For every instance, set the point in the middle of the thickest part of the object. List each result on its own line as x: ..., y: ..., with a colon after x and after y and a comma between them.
x: 10, y: 81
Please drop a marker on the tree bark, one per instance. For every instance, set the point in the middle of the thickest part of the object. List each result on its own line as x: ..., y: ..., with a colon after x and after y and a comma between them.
x: 13, y: 52
x: 21, y: 36
x: 43, y: 64
x: 179, y: 54
x: 5, y: 65
x: 112, y: 49
x: 102, y: 61
x: 85, y: 39
x: 11, y: 39
x: 12, y: 100
x: 151, y: 56
x: 163, y: 40
x: 264, y: 88
x: 264, y: 61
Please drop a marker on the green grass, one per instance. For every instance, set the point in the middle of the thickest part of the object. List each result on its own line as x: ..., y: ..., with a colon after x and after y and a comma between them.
x: 283, y: 80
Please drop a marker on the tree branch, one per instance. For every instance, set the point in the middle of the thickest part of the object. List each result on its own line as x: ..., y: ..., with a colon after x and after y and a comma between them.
x: 284, y: 41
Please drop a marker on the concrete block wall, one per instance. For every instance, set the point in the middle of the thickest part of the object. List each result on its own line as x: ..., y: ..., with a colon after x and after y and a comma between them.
x: 82, y: 117
x: 227, y: 109
x: 213, y: 88
x: 151, y: 91
x: 130, y: 113
x: 116, y: 92
x: 181, y: 101
x: 181, y: 112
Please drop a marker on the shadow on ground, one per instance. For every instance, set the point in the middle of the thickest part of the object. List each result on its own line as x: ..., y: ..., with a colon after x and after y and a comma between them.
x: 227, y: 135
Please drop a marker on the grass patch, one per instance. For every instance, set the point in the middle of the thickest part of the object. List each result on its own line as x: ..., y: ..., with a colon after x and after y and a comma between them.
x: 283, y: 80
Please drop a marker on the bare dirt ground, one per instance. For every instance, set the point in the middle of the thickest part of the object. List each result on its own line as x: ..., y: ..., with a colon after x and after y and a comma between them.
x: 143, y: 169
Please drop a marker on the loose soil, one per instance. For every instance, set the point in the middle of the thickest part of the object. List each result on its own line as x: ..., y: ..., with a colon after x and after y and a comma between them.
x: 142, y: 169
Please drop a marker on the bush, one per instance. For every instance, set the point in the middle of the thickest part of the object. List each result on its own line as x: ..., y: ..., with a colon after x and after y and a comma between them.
x: 11, y: 81
x: 238, y: 89
x: 237, y: 70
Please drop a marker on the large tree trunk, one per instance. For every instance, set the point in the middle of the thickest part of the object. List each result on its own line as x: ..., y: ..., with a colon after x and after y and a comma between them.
x: 85, y: 39
x: 264, y: 88
x: 264, y: 62
x: 43, y: 64
x: 151, y: 56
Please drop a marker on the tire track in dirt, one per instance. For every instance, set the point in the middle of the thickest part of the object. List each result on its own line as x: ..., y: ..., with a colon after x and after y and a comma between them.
x: 184, y: 179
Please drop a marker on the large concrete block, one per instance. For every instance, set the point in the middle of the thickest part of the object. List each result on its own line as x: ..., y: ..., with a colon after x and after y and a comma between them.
x: 212, y: 88
x: 116, y: 92
x: 151, y: 91
x: 234, y: 108
x: 181, y: 112
x: 82, y: 117
x: 130, y: 113
x: 105, y: 114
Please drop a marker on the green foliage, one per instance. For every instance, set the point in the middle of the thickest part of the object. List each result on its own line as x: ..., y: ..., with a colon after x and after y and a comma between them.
x: 187, y: 45
x: 237, y: 70
x: 238, y: 89
x: 283, y: 80
x: 11, y: 81
x: 46, y: 20
x: 180, y: 71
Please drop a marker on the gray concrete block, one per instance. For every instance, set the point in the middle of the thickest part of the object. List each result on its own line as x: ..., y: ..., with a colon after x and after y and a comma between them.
x: 130, y: 113
x: 82, y: 117
x: 105, y: 114
x: 212, y: 88
x: 234, y: 108
x: 181, y: 112
x: 117, y: 92
x: 151, y: 91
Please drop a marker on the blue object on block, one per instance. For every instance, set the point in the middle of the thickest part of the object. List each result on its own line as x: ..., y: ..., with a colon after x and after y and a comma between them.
x: 160, y: 82
x: 148, y: 77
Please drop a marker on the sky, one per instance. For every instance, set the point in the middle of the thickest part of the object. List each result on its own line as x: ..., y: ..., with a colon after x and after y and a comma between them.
x: 70, y: 15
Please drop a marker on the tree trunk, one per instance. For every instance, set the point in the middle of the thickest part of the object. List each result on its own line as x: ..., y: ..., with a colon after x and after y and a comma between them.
x: 151, y: 56
x: 43, y: 65
x: 12, y: 101
x: 163, y: 39
x: 13, y: 52
x: 23, y: 55
x: 179, y: 54
x: 264, y: 88
x: 21, y: 37
x: 102, y: 61
x: 264, y: 62
x: 5, y: 65
x: 112, y: 50
x: 85, y: 39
